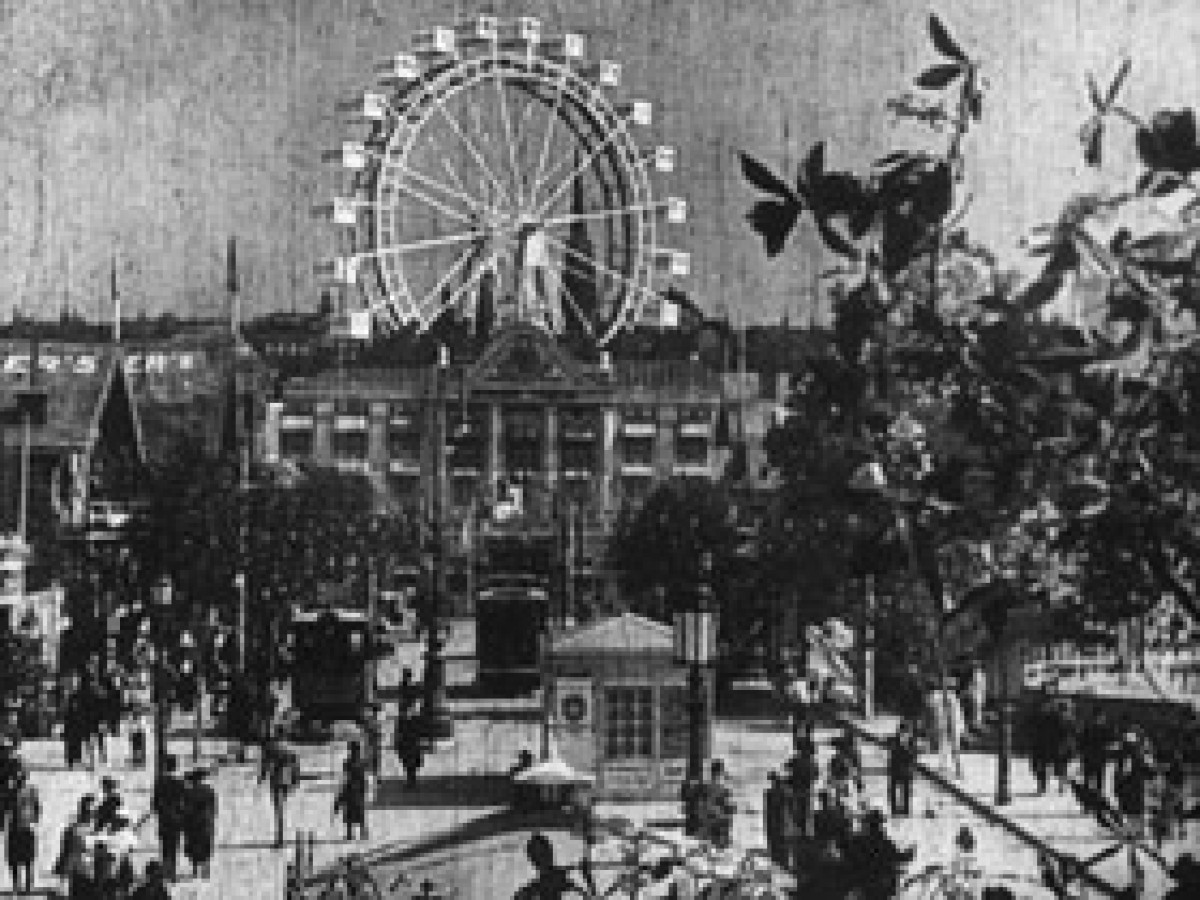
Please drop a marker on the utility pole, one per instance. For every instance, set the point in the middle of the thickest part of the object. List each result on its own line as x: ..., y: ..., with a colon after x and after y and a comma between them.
x: 868, y: 646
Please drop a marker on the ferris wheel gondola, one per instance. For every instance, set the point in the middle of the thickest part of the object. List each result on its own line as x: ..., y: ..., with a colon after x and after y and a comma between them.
x: 495, y: 174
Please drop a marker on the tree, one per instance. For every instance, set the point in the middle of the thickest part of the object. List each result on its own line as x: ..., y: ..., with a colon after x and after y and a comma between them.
x: 1095, y: 421
x: 658, y: 545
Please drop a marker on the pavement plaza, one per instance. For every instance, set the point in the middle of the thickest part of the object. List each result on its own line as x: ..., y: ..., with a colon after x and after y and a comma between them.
x: 462, y: 782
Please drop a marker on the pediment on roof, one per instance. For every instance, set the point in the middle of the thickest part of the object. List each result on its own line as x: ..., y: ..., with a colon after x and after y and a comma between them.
x: 627, y: 633
x: 523, y: 354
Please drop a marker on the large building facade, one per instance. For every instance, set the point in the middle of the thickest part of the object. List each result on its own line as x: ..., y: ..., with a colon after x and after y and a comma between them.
x: 525, y: 442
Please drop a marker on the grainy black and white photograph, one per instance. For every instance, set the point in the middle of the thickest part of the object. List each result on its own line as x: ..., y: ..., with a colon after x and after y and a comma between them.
x: 533, y: 449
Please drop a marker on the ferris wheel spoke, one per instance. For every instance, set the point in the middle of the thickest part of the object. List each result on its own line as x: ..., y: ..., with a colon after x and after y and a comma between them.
x: 600, y: 267
x: 509, y: 139
x: 464, y: 258
x: 454, y: 176
x: 523, y: 126
x: 474, y: 151
x: 604, y: 213
x: 544, y: 156
x: 584, y: 320
x: 481, y: 269
x: 582, y: 167
x: 424, y: 244
x: 433, y: 184
x: 428, y: 201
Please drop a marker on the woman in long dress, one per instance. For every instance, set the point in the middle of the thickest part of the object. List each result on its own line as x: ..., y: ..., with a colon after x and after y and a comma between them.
x: 945, y: 715
x: 200, y: 822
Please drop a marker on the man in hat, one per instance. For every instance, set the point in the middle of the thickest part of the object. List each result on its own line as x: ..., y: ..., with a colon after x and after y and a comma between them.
x: 281, y: 770
x: 110, y: 802
x: 12, y: 772
x: 22, y: 834
x: 550, y: 880
x: 169, y: 804
x: 718, y: 807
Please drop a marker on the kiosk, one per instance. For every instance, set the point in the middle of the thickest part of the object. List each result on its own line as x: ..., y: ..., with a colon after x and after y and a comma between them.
x: 620, y: 706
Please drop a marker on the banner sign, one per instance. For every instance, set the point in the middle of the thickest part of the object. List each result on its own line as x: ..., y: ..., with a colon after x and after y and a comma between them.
x: 86, y: 364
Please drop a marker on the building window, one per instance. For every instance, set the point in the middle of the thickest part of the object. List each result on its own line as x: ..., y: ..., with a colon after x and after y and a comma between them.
x: 350, y: 406
x: 350, y: 445
x: 295, y: 443
x: 629, y: 722
x: 404, y: 445
x: 579, y: 457
x: 691, y: 451
x: 463, y: 491
x: 522, y: 447
x: 405, y: 488
x: 635, y: 489
x: 637, y: 451
x: 299, y: 408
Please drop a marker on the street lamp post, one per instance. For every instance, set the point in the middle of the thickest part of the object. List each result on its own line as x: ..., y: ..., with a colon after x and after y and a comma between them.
x: 435, y: 715
x: 695, y: 643
x: 161, y: 594
x: 1004, y: 754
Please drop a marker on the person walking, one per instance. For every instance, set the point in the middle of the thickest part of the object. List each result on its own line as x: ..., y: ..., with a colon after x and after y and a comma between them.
x: 351, y: 799
x: 1041, y: 742
x: 1066, y: 744
x: 200, y: 822
x: 114, y: 850
x: 12, y: 775
x: 372, y: 738
x: 1134, y: 771
x: 717, y: 818
x: 944, y: 711
x: 169, y: 803
x: 108, y: 713
x: 408, y: 747
x: 843, y: 776
x: 409, y: 694
x: 1095, y: 738
x: 976, y: 690
x: 74, y: 729
x: 138, y: 702
x: 110, y: 803
x: 777, y: 816
x: 21, y: 846
x: 73, y: 864
x: 804, y: 773
x: 281, y: 770
x: 901, y: 769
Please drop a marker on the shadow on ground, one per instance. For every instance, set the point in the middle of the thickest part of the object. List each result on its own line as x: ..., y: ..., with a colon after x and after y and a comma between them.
x: 444, y: 791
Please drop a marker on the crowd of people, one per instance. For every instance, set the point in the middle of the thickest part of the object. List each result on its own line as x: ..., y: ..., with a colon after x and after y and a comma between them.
x: 94, y: 858
x: 1111, y: 766
x: 820, y: 825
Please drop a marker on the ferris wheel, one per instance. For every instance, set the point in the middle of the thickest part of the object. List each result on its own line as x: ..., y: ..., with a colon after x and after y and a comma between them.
x: 494, y: 176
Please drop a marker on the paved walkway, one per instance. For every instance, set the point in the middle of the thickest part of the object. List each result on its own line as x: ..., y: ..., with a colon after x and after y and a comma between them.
x: 461, y: 784
x: 1052, y: 819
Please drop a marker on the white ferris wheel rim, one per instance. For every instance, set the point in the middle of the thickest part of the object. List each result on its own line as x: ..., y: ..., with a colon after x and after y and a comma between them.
x: 408, y: 113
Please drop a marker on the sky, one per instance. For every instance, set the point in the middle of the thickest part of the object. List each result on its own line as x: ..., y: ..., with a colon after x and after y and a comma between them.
x: 146, y: 133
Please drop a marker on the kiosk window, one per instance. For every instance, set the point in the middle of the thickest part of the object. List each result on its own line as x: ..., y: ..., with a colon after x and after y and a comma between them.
x: 676, y: 726
x: 629, y: 722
